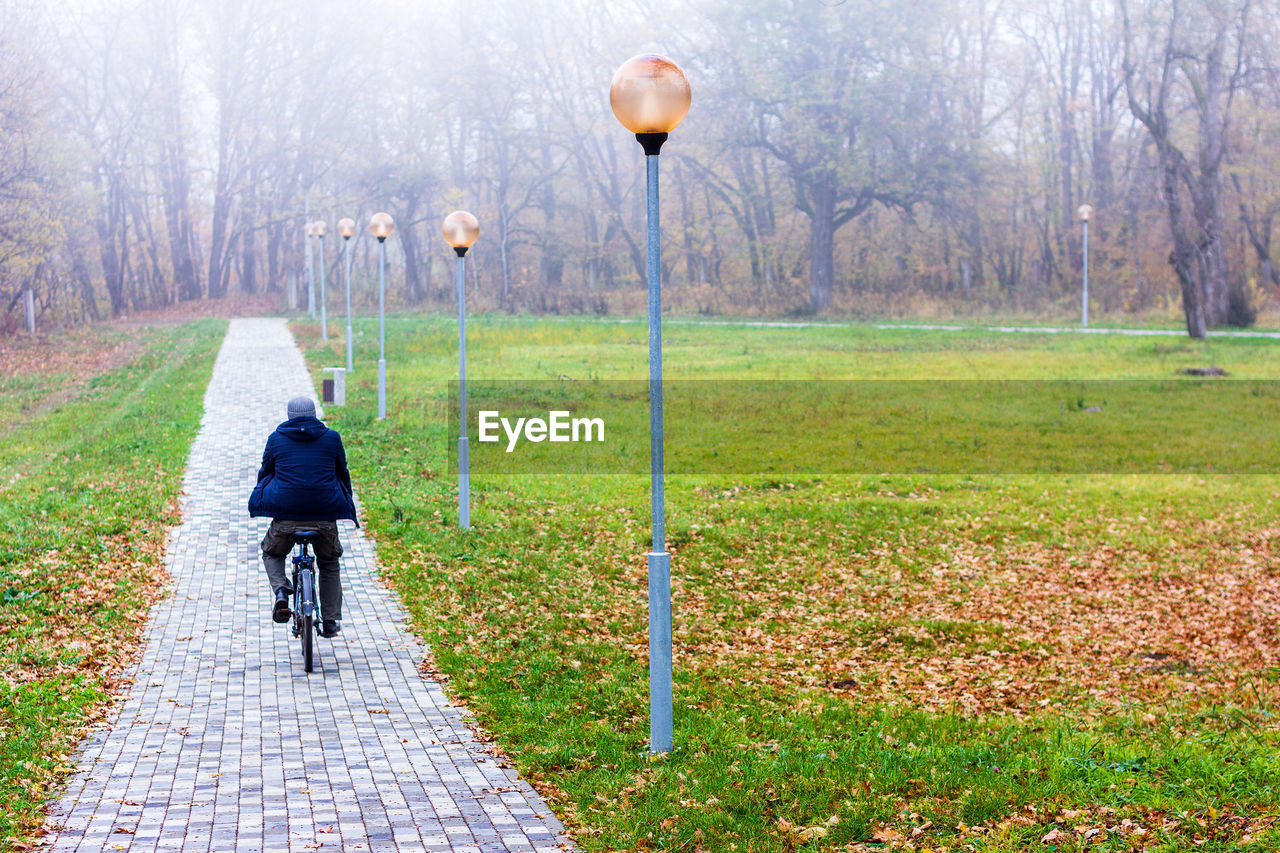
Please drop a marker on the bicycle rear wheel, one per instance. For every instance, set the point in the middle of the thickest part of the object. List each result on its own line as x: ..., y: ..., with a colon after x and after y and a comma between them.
x: 307, y: 622
x: 308, y: 630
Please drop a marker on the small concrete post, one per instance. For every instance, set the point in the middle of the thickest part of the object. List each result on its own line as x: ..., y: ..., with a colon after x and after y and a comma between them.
x: 293, y: 291
x: 335, y: 390
x: 29, y: 303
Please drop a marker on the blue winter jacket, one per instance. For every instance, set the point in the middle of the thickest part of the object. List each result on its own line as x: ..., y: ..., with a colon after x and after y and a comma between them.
x: 304, y: 475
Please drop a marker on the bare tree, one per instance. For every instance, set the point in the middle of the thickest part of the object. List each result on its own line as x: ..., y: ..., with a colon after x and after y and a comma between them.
x: 837, y: 155
x: 1191, y: 54
x: 845, y: 108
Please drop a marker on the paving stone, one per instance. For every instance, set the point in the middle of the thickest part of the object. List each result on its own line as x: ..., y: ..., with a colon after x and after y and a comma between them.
x: 224, y: 743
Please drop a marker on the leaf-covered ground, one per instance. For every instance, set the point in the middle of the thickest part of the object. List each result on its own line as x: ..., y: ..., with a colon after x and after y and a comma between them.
x: 925, y: 662
x: 96, y: 427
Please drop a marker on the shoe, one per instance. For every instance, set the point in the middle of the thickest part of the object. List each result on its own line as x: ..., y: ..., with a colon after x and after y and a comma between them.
x: 280, y: 612
x: 330, y: 628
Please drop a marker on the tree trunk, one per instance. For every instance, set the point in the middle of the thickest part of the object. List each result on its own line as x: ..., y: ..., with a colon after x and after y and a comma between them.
x: 219, y: 227
x: 691, y: 255
x: 412, y: 262
x: 108, y: 226
x: 1184, y: 256
x: 177, y: 209
x: 177, y: 215
x: 1259, y: 233
x: 249, y: 261
x: 1211, y: 250
x: 591, y: 227
x: 822, y: 231
x: 157, y: 293
x: 638, y: 256
x: 551, y: 264
x: 974, y: 273
x: 1207, y: 202
x: 275, y: 238
x: 504, y: 257
x: 80, y: 271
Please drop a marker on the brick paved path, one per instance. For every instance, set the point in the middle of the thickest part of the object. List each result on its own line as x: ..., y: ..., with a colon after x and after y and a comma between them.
x: 208, y: 753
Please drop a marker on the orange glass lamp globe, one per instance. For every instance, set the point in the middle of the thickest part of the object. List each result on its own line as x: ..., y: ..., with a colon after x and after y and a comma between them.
x: 381, y: 225
x: 461, y: 229
x: 346, y: 227
x: 650, y: 94
x: 321, y: 228
x: 309, y: 229
x: 1085, y: 211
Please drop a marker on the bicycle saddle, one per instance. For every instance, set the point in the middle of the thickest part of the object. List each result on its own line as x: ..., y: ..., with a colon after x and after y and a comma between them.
x: 300, y: 536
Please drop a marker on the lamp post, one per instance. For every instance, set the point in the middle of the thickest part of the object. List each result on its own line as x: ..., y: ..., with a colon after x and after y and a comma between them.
x: 381, y: 225
x: 311, y: 280
x: 347, y: 228
x: 460, y: 231
x: 321, y: 228
x: 650, y: 96
x: 1084, y: 213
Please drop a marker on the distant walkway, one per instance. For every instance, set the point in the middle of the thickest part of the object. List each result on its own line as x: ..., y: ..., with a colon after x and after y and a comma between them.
x: 1042, y: 330
x: 207, y: 754
x: 1068, y: 330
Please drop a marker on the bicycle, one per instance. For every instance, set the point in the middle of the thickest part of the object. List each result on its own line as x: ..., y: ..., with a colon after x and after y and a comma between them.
x: 306, y: 603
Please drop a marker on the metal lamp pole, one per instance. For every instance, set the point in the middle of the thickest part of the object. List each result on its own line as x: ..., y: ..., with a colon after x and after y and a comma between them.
x: 347, y: 227
x: 461, y: 230
x: 650, y: 96
x: 321, y: 228
x: 381, y: 225
x: 1085, y: 212
x: 660, y: 689
x: 382, y: 328
x: 311, y: 272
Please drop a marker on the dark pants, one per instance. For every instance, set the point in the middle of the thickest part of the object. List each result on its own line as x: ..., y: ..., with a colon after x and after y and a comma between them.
x: 277, y: 545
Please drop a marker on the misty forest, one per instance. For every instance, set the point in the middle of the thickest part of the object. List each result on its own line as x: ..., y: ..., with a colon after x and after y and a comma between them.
x: 865, y: 157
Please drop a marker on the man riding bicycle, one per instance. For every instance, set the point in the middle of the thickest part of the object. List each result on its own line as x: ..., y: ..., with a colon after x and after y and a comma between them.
x: 304, y: 485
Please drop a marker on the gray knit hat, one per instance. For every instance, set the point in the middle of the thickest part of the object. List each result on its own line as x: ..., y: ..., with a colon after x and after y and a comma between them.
x: 301, y: 407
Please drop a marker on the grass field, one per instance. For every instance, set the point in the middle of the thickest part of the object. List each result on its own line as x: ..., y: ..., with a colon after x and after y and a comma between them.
x: 95, y: 427
x: 904, y: 661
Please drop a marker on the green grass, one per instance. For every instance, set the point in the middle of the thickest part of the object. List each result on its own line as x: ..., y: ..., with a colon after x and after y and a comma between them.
x: 950, y: 660
x: 38, y: 377
x: 90, y: 468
